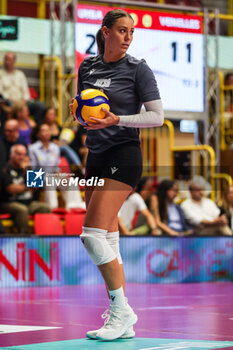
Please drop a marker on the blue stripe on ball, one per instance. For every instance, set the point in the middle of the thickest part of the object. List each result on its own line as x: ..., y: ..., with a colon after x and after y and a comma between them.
x: 95, y: 101
x: 79, y: 110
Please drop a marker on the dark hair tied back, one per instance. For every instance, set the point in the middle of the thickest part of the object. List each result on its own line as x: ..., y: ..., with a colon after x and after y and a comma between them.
x: 161, y: 192
x: 109, y: 20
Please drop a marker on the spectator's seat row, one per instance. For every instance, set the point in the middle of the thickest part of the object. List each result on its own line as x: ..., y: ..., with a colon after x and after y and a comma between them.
x: 8, y: 222
x: 58, y: 223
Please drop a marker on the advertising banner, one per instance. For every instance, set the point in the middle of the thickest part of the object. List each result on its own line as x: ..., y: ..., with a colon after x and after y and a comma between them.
x: 8, y: 29
x: 56, y: 261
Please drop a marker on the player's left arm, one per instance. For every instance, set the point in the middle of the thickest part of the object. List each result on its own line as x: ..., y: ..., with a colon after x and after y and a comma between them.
x: 152, y: 116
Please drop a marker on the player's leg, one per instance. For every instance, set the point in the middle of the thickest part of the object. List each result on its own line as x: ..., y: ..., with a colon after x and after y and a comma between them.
x: 112, y: 235
x: 121, y: 158
x: 96, y: 226
x: 102, y: 211
x: 113, y: 240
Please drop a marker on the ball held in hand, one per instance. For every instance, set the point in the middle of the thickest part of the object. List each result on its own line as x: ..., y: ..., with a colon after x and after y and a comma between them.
x: 89, y: 103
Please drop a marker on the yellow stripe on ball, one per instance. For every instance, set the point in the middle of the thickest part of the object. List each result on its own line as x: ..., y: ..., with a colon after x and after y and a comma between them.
x: 74, y: 107
x: 91, y: 93
x: 95, y: 112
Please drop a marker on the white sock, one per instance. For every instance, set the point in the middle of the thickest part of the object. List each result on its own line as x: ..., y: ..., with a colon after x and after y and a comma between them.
x: 117, y: 297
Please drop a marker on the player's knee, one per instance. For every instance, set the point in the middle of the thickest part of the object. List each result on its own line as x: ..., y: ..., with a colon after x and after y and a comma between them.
x: 94, y: 240
x: 113, y: 241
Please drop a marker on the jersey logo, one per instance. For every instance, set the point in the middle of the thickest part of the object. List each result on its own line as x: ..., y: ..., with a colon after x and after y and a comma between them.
x: 91, y: 71
x: 114, y: 169
x: 102, y: 83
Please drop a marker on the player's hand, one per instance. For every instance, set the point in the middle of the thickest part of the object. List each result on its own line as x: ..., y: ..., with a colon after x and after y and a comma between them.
x: 109, y: 120
x: 71, y: 109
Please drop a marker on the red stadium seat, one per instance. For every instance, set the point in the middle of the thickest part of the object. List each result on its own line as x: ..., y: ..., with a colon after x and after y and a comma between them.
x: 33, y: 93
x: 60, y: 212
x: 74, y: 223
x: 64, y: 165
x: 5, y: 216
x: 47, y: 224
x: 77, y: 210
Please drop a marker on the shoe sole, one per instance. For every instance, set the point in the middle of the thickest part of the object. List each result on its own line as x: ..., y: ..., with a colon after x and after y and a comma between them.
x: 131, y: 323
x: 131, y: 335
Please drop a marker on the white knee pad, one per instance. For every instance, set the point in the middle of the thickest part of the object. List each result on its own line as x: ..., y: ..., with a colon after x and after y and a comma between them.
x: 113, y: 241
x: 95, y: 242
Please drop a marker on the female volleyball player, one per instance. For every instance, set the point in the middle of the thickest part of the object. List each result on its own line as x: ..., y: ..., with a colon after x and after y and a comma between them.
x: 115, y: 155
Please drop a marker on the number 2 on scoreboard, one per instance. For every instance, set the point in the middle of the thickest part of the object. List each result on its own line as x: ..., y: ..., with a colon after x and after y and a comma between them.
x: 174, y: 46
x: 88, y: 50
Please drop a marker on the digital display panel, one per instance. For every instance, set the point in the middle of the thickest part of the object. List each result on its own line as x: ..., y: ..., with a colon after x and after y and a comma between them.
x: 171, y: 44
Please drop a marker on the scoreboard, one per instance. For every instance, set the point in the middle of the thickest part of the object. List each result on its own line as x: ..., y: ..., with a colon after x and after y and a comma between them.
x: 171, y: 44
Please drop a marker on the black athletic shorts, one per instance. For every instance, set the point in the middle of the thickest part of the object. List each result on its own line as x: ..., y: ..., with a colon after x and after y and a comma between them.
x: 122, y: 163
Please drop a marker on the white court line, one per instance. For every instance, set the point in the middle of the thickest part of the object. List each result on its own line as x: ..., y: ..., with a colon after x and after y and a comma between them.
x: 162, y: 308
x: 5, y: 328
x: 189, y: 344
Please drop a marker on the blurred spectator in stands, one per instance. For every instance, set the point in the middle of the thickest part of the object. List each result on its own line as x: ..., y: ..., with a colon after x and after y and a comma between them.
x: 50, y: 118
x: 203, y: 214
x: 135, y: 205
x: 2, y: 229
x: 227, y: 207
x: 3, y: 113
x: 61, y: 137
x: 14, y: 87
x: 46, y: 154
x: 228, y: 107
x: 228, y: 81
x: 145, y: 189
x: 169, y: 216
x: 26, y: 124
x: 79, y: 144
x: 11, y: 137
x: 16, y: 198
x: 3, y: 154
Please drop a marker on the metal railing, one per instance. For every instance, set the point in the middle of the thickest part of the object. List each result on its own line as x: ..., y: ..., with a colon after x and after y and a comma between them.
x: 56, y: 88
x: 226, y: 113
x: 203, y: 160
